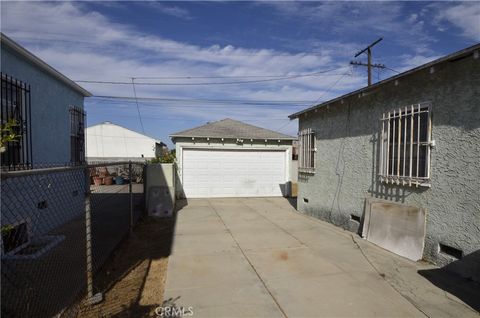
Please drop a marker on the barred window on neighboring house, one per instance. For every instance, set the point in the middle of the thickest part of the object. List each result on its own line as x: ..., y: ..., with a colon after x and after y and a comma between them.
x: 77, y: 135
x: 15, y: 120
x: 405, y: 145
x: 306, y: 154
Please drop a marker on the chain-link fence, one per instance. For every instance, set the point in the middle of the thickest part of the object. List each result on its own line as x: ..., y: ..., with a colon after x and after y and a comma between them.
x: 59, y: 226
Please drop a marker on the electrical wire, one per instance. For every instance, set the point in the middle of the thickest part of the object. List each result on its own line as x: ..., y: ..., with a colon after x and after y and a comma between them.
x: 209, y: 83
x: 201, y: 101
x: 330, y: 88
x: 283, y: 126
x: 138, y: 107
x: 168, y: 118
x: 232, y: 76
x: 391, y: 69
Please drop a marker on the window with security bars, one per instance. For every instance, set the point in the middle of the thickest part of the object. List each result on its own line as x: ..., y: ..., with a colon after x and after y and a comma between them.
x: 306, y: 155
x: 77, y: 135
x: 15, y: 119
x: 405, y: 145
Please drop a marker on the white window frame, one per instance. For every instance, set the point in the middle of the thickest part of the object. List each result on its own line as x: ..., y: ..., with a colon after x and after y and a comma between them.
x: 394, y: 168
x: 306, y: 154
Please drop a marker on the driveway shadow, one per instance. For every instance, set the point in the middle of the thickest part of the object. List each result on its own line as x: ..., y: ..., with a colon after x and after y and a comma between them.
x: 466, y: 289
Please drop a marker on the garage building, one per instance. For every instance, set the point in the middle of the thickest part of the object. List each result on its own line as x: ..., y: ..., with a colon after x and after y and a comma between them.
x: 229, y: 158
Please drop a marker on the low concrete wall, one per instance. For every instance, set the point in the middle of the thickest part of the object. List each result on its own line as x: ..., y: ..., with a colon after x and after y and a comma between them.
x: 160, y: 180
x: 294, y: 171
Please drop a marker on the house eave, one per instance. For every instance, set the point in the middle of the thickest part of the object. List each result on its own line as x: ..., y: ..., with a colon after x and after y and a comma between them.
x: 465, y: 52
x: 231, y: 137
x: 5, y: 40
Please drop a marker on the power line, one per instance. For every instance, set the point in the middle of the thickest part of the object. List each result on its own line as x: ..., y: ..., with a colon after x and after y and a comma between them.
x: 329, y: 89
x: 283, y: 126
x: 166, y: 118
x: 236, y: 76
x: 209, y: 83
x: 186, y: 102
x: 138, y: 107
x: 237, y: 103
x: 391, y: 69
x: 206, y: 106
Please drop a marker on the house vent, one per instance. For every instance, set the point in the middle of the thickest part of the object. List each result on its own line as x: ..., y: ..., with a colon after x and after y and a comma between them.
x: 42, y: 205
x: 355, y: 218
x: 450, y: 251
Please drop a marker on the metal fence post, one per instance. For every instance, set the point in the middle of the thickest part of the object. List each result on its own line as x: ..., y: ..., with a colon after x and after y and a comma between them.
x: 91, y: 299
x: 88, y: 226
x: 130, y: 175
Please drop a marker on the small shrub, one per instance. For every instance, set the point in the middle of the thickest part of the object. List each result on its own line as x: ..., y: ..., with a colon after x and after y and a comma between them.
x: 167, y: 157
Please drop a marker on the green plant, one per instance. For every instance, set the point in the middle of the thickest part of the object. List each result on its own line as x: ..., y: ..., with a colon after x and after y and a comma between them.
x: 7, y: 229
x: 167, y: 157
x: 8, y: 134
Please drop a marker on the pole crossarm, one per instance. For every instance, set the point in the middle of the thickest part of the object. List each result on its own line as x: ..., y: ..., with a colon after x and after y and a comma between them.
x: 377, y: 65
x: 369, y: 65
x: 368, y: 47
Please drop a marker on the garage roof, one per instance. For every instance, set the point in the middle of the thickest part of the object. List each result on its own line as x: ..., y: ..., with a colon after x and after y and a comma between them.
x: 229, y: 128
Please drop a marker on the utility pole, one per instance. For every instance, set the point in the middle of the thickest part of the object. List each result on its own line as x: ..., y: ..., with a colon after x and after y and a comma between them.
x: 369, y: 64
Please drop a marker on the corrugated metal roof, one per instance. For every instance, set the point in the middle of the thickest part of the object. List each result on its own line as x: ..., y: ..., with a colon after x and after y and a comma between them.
x: 229, y: 128
x: 450, y: 57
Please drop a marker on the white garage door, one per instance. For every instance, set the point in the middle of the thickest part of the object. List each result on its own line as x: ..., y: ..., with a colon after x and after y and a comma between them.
x: 233, y: 173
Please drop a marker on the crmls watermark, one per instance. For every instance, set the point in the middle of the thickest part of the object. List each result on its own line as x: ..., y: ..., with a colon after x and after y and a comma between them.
x: 173, y: 311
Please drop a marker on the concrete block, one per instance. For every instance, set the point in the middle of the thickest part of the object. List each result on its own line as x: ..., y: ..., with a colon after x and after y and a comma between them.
x: 160, y: 201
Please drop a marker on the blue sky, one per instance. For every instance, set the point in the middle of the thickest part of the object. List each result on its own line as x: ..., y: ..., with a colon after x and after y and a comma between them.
x: 218, y: 42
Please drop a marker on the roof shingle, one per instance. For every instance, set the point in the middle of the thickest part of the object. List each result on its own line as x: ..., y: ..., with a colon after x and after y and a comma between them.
x: 229, y: 128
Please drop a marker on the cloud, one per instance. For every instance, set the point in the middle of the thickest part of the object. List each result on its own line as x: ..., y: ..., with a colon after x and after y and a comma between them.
x: 465, y: 16
x: 354, y: 19
x: 408, y: 61
x: 174, y: 11
x: 85, y: 44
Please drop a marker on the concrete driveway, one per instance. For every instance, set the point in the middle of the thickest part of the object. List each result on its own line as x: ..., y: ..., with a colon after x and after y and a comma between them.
x: 258, y: 257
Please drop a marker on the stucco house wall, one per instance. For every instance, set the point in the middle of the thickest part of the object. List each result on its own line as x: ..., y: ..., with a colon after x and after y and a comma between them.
x: 50, y: 103
x: 347, y: 157
x: 48, y: 200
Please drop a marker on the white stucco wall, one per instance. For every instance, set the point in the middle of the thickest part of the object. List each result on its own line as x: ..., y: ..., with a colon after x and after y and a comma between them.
x: 108, y: 140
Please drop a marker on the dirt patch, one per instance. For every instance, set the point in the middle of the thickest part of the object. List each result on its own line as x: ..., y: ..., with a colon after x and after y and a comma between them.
x: 133, y: 279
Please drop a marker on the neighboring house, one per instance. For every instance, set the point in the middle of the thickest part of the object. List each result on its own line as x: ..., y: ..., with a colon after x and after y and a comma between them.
x: 47, y: 104
x: 110, y: 142
x: 48, y: 108
x: 228, y: 158
x: 401, y: 157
